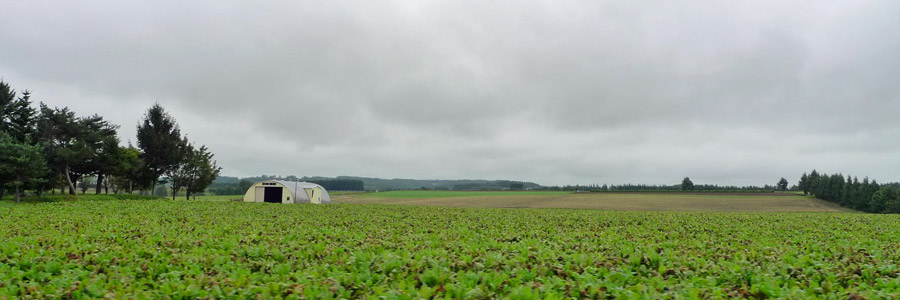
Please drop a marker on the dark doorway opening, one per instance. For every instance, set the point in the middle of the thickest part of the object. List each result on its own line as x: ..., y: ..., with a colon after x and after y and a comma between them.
x: 273, y: 194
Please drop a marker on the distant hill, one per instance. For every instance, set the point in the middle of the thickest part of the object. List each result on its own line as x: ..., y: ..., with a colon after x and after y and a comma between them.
x: 372, y: 184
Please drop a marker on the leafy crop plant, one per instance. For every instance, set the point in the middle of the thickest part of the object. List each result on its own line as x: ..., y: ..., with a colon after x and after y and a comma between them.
x: 162, y: 249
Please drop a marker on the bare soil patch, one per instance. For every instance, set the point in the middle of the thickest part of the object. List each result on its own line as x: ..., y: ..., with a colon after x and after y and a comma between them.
x: 736, y: 202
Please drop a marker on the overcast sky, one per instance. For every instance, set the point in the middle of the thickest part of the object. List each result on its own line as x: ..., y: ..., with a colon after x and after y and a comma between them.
x: 555, y: 92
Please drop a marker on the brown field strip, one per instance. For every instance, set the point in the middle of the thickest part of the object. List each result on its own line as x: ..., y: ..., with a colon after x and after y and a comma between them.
x: 748, y: 202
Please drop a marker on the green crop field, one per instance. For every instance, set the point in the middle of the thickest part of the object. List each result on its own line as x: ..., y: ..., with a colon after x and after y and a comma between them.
x: 218, y: 197
x: 158, y: 249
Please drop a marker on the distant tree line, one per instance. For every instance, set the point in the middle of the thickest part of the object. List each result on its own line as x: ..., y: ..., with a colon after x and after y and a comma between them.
x: 865, y: 195
x: 686, y: 186
x: 339, y: 184
x: 240, y: 187
x: 495, y: 185
x: 44, y: 149
x: 230, y: 188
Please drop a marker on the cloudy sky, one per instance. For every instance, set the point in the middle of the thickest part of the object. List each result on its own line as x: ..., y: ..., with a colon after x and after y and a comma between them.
x: 556, y: 92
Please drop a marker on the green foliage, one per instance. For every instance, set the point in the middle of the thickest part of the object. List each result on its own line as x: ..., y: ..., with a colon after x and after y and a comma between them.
x: 804, y: 184
x: 21, y: 165
x: 782, y: 184
x: 686, y: 184
x: 867, y: 196
x: 19, y: 118
x: 166, y: 152
x: 229, y: 188
x: 126, y: 169
x: 183, y: 249
x: 160, y: 141
x: 74, y: 146
x: 7, y: 97
x: 196, y: 171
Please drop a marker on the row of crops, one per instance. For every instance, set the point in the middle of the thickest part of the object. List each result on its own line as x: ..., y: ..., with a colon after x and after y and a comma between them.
x: 177, y: 249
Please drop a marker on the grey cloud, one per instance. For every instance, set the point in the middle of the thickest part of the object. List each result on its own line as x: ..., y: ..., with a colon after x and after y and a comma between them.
x: 552, y: 91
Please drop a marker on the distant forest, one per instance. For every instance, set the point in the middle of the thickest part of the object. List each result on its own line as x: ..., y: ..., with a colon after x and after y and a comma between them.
x: 225, y: 185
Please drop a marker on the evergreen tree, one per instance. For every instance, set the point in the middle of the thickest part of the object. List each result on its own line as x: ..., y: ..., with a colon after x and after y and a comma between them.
x: 75, y: 147
x: 892, y: 201
x: 59, y: 134
x: 20, y: 164
x: 804, y: 184
x: 7, y: 96
x: 862, y: 196
x: 782, y: 184
x: 687, y: 184
x: 880, y: 200
x: 846, y: 192
x: 104, y: 143
x: 867, y: 195
x: 160, y: 141
x: 20, y: 119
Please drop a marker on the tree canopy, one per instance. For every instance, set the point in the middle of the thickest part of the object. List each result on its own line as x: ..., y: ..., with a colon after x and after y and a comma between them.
x: 49, y: 147
x: 782, y: 184
x: 686, y: 184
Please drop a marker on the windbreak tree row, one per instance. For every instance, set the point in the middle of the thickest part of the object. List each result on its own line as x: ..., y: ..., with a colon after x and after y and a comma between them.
x: 684, y: 186
x: 865, y: 195
x: 45, y: 148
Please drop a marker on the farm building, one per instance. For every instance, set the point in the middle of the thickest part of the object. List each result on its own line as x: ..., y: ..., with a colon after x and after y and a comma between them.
x: 279, y: 191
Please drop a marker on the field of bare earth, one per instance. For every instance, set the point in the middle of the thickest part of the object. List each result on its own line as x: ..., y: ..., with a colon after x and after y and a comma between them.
x: 649, y: 201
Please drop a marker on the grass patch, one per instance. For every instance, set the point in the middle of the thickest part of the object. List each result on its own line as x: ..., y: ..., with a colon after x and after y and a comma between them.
x: 345, y: 193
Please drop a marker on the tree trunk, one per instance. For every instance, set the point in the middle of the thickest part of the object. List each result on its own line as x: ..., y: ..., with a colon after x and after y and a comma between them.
x: 17, y: 193
x: 187, y: 190
x: 99, y: 183
x: 69, y: 180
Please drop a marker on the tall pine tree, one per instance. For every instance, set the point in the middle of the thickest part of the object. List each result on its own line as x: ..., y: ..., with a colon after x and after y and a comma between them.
x: 160, y: 141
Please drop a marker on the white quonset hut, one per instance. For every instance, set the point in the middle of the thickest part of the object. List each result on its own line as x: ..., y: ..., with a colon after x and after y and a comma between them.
x: 280, y: 191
